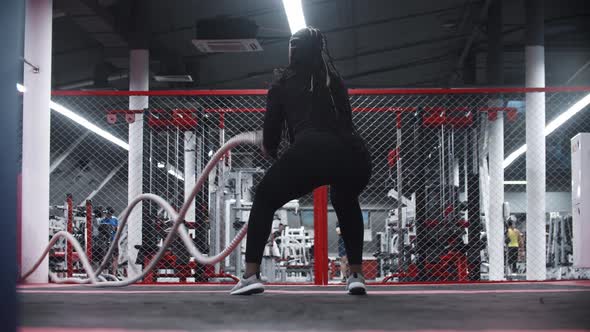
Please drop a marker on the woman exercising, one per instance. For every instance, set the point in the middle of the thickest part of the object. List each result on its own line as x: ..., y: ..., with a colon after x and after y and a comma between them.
x: 309, y: 95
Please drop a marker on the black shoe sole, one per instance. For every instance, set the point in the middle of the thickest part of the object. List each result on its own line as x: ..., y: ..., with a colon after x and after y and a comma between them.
x: 357, y: 291
x: 253, y: 291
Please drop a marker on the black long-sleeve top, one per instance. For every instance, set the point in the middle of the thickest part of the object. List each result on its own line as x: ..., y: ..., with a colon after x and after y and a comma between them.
x: 290, y: 100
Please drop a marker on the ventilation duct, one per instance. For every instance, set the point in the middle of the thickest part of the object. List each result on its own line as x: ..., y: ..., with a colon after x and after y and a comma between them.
x: 224, y: 34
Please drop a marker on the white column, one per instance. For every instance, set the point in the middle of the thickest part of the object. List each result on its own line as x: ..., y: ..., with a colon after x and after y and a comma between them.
x: 466, y: 170
x: 484, y: 175
x: 220, y: 197
x: 535, y: 140
x: 190, y: 145
x: 138, y: 81
x: 496, y: 186
x: 199, y: 155
x: 228, y: 224
x: 495, y: 77
x: 455, y: 181
x: 36, y: 126
x: 535, y: 164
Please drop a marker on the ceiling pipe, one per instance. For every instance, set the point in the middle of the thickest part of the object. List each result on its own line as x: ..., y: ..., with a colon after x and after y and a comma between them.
x: 87, y: 83
x: 483, y: 14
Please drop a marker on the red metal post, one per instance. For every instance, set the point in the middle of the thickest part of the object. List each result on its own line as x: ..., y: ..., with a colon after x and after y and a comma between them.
x: 320, y: 222
x: 221, y: 120
x: 89, y: 230
x: 70, y: 229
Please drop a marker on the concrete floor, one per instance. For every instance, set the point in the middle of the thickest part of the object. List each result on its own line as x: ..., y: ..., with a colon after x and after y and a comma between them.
x: 507, y: 306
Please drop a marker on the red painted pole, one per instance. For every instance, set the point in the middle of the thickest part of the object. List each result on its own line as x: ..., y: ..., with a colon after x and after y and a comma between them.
x: 320, y: 221
x: 70, y: 229
x: 89, y: 230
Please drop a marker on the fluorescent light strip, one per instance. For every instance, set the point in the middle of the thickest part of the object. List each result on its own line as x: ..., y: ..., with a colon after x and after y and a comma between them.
x: 176, y: 175
x: 294, y: 11
x: 174, y: 172
x: 514, y: 155
x: 80, y: 120
x: 562, y: 118
x: 95, y: 129
x: 515, y: 182
x: 551, y: 127
x: 101, y: 132
x: 87, y: 124
x: 90, y: 126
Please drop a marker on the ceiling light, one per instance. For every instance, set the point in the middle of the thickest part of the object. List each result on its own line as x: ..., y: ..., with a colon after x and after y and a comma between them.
x: 101, y: 132
x: 551, y: 127
x: 174, y: 172
x: 516, y: 182
x: 514, y: 155
x: 294, y: 11
x: 562, y: 118
x: 449, y: 25
x: 173, y: 78
x: 87, y: 124
x: 81, y: 121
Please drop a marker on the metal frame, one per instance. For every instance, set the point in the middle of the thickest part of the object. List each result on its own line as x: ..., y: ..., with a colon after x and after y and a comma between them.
x: 320, y: 195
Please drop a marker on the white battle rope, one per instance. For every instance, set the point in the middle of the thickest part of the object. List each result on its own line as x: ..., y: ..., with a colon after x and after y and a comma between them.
x: 95, y: 278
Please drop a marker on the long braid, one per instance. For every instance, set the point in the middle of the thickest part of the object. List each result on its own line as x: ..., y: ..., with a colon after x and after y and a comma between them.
x: 317, y: 58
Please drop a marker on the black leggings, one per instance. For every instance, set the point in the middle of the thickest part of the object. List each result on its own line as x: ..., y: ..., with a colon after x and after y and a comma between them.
x: 314, y: 160
x: 512, y: 258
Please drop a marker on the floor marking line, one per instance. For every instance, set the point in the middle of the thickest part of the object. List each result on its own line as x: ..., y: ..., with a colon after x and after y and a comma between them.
x: 309, y: 292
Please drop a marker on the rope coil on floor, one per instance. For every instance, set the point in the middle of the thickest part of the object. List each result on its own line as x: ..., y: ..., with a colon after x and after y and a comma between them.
x: 94, y: 277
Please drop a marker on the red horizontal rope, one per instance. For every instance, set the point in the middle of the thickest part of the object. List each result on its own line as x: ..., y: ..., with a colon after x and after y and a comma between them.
x: 258, y: 92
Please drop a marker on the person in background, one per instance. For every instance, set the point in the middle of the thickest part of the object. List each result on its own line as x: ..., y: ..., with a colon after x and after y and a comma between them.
x: 276, y: 235
x: 110, y: 220
x: 514, y: 239
x: 107, y: 230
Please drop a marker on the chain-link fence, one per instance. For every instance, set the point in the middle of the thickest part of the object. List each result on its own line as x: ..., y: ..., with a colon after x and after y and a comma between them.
x: 436, y: 208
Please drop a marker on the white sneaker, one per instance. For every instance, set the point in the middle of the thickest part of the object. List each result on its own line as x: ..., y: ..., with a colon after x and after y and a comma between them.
x: 248, y: 286
x: 355, y: 284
